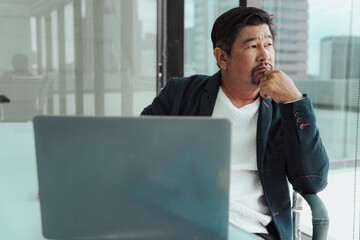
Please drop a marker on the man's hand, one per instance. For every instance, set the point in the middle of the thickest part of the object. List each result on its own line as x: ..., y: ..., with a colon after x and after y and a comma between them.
x: 279, y: 86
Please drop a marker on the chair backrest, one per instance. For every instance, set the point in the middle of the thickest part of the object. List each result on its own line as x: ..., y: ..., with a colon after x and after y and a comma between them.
x: 23, y: 88
x: 26, y: 94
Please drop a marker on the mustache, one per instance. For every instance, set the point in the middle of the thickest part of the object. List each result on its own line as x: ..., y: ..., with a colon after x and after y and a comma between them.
x: 261, y: 65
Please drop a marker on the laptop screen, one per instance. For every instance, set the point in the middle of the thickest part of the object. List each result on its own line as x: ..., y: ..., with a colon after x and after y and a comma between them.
x: 133, y: 178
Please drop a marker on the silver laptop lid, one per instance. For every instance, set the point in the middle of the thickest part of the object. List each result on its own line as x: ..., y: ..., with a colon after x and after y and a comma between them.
x: 133, y: 178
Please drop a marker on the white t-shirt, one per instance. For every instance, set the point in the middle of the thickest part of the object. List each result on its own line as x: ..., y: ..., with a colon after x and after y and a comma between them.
x: 247, y: 206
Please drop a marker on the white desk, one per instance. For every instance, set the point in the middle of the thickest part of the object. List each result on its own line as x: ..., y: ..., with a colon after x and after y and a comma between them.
x: 19, y: 206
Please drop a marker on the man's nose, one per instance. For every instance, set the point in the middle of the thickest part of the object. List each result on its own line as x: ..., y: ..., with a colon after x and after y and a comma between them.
x: 263, y: 55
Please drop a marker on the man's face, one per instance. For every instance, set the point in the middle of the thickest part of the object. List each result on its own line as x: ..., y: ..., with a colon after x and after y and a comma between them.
x: 252, y: 54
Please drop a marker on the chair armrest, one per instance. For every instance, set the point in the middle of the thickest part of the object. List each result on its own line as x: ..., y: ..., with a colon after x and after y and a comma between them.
x: 320, y: 218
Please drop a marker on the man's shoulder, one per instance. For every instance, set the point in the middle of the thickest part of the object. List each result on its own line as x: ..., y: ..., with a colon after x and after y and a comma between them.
x: 195, y: 81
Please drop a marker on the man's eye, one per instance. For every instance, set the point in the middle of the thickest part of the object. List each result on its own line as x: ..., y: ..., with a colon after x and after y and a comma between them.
x: 268, y: 45
x: 252, y: 46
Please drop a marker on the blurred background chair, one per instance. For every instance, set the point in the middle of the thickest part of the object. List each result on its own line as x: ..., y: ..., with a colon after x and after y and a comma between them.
x: 27, y: 97
x: 320, y: 218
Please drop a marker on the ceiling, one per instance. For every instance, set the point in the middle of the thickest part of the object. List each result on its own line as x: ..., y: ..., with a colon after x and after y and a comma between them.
x: 23, y: 2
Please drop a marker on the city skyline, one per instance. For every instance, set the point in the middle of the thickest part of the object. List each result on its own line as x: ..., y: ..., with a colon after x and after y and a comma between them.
x: 336, y: 61
x: 324, y: 16
x: 291, y: 21
x: 322, y: 22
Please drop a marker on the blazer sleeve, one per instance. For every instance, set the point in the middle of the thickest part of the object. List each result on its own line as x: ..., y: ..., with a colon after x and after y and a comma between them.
x: 307, y: 160
x: 162, y: 104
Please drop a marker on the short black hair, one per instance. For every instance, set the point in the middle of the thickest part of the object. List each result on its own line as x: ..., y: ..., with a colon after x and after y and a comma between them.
x: 228, y: 25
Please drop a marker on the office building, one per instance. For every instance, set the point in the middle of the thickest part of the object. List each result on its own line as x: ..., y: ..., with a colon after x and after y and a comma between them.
x: 340, y: 57
x: 291, y: 20
x: 199, y: 50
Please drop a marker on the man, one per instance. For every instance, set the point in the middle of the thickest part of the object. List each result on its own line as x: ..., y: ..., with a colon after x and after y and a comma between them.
x: 274, y: 134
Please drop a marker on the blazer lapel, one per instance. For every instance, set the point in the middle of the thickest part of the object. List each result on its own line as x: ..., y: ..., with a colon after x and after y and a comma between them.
x: 207, y: 104
x: 208, y: 98
x: 263, y: 128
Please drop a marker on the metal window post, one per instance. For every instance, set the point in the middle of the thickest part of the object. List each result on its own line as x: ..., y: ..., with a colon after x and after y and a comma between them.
x: 170, y: 41
x: 243, y: 3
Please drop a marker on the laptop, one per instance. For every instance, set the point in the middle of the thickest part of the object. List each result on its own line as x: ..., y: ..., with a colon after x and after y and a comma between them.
x: 133, y: 178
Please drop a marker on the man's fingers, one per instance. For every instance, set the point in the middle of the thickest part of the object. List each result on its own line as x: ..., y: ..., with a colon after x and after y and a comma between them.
x: 264, y: 92
x: 265, y: 95
x: 278, y: 86
x: 266, y: 77
x: 265, y: 81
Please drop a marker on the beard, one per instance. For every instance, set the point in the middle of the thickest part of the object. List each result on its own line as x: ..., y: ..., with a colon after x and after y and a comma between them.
x: 267, y: 65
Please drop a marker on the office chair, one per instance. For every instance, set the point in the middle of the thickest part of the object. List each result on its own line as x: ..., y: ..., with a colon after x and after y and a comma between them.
x: 27, y: 97
x: 320, y: 218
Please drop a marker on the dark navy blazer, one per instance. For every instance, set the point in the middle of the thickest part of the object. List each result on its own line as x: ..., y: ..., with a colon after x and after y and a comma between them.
x: 288, y: 144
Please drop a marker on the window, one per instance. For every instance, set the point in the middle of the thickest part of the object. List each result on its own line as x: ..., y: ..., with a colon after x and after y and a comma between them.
x: 84, y: 57
x: 324, y: 60
x: 199, y: 18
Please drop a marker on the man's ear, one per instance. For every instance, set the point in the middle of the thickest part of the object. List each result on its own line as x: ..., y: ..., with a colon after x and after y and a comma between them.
x: 221, y: 58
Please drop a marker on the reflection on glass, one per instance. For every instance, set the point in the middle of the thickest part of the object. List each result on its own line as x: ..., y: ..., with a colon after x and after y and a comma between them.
x: 20, y: 68
x: 199, y: 19
x: 94, y: 57
x: 318, y: 46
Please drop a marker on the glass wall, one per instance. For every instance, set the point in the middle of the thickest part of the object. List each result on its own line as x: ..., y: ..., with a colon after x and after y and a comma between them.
x: 98, y: 57
x: 82, y: 57
x: 199, y: 19
x: 65, y: 57
x: 318, y: 46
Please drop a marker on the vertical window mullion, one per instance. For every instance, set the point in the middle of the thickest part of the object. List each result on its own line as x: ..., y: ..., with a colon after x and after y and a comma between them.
x: 170, y: 41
